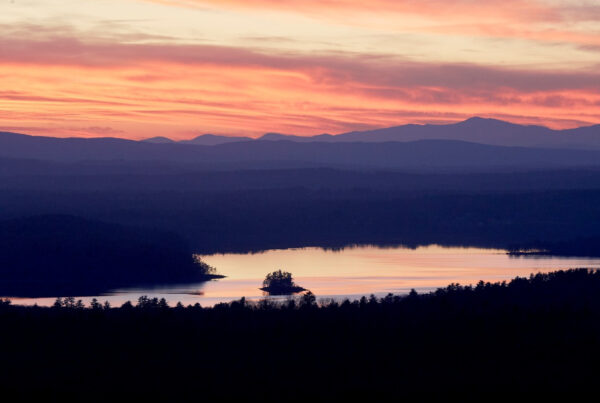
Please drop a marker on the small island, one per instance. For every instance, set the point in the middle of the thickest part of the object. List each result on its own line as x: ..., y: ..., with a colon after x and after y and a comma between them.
x: 582, y: 246
x: 280, y: 283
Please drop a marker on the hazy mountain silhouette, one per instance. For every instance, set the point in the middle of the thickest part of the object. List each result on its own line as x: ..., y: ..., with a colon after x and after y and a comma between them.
x: 302, y: 139
x: 475, y: 130
x: 212, y: 140
x: 419, y: 155
x: 158, y: 140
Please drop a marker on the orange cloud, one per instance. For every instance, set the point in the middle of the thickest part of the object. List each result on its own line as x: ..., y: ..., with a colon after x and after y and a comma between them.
x: 322, y: 69
x: 63, y: 86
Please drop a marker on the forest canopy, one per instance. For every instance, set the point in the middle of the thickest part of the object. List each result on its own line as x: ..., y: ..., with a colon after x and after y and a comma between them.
x: 62, y: 254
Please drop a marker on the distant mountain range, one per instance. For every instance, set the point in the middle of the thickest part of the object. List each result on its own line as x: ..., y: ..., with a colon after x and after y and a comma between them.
x: 203, y: 140
x: 421, y: 155
x: 474, y: 144
x: 474, y: 130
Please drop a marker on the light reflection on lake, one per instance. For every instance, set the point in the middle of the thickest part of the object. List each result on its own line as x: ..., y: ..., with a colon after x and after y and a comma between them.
x: 348, y: 273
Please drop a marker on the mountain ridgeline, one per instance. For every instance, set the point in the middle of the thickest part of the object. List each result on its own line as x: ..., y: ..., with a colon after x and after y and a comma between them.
x: 473, y: 145
x: 320, y: 191
x: 473, y: 130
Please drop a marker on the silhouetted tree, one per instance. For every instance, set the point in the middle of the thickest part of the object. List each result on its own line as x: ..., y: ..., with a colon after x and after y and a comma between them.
x: 94, y: 304
x: 204, y: 267
x: 279, y: 279
x: 163, y: 303
x: 69, y: 302
x: 308, y: 300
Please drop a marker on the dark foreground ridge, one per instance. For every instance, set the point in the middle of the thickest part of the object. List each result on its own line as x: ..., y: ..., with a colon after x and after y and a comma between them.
x: 537, y: 335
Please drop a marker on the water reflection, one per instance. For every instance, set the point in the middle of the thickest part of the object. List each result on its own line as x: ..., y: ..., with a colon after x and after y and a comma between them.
x: 346, y: 273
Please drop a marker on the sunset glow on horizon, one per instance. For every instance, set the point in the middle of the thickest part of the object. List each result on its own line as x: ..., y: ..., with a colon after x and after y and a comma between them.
x: 181, y: 68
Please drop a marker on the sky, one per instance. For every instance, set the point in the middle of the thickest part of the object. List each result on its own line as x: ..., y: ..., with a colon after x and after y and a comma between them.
x: 180, y: 68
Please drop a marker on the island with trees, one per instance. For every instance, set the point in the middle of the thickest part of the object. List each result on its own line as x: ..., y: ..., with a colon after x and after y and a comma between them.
x: 280, y: 283
x: 581, y: 246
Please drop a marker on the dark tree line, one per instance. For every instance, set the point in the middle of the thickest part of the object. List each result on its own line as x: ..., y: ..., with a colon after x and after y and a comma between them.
x: 538, y: 335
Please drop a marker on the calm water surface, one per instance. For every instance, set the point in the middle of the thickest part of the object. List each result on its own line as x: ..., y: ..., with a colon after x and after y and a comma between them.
x: 348, y: 273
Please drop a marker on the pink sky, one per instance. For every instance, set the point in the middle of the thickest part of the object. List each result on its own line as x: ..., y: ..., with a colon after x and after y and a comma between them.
x: 137, y: 69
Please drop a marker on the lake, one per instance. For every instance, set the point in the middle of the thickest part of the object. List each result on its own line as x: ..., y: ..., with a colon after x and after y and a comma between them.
x: 347, y: 273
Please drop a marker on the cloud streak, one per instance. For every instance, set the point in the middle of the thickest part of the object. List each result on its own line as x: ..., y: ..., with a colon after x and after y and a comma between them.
x: 515, y: 9
x: 534, y: 20
x: 324, y: 69
x: 69, y: 83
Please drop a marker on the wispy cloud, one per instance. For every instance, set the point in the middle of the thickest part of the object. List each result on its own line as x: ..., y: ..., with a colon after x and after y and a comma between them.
x: 372, y: 71
x: 342, y: 65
